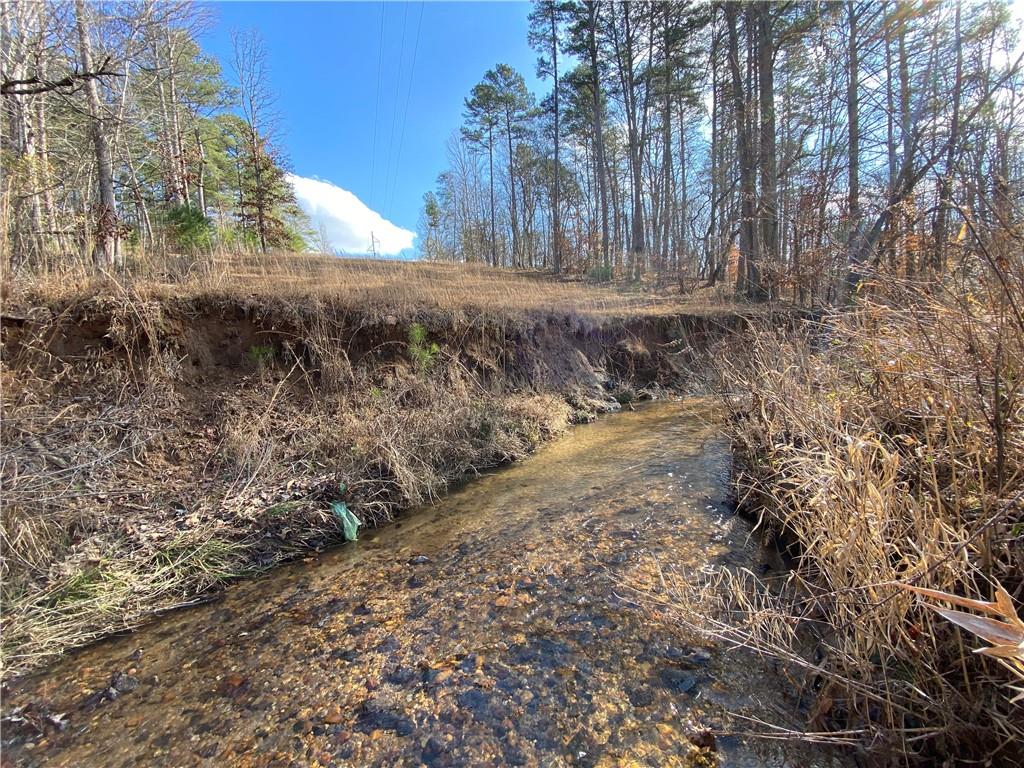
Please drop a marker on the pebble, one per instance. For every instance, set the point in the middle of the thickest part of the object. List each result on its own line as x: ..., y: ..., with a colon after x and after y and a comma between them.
x: 703, y: 739
x: 433, y: 748
x: 678, y: 681
x: 640, y: 696
x: 123, y: 683
x: 333, y: 717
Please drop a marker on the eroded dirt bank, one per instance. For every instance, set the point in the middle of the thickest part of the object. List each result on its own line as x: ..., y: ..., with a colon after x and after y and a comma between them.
x: 155, y: 447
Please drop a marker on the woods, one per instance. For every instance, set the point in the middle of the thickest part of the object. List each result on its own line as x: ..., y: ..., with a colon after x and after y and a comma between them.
x: 122, y: 138
x: 781, y: 148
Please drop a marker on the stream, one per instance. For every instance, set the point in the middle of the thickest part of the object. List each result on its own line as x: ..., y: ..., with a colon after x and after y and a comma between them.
x: 504, y: 625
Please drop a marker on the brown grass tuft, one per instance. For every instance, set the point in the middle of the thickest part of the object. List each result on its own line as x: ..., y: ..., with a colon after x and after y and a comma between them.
x: 883, y: 446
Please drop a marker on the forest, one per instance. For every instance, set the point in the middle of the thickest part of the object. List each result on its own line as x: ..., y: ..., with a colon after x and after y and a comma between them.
x: 779, y: 148
x: 123, y: 138
x: 782, y: 148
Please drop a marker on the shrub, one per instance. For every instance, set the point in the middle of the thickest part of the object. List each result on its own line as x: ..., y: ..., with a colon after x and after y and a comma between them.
x: 423, y: 353
x: 190, y: 230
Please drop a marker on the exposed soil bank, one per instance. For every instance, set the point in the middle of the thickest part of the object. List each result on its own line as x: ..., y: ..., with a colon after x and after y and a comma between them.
x: 153, y: 448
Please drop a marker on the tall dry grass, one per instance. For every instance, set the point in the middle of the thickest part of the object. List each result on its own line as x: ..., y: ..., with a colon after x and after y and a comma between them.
x: 883, y: 446
x: 383, y: 285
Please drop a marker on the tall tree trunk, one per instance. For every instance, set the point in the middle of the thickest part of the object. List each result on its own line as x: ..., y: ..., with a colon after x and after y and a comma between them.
x: 241, y: 194
x: 141, y: 211
x: 769, y: 169
x: 43, y: 163
x: 556, y: 222
x: 903, y: 226
x: 666, y: 162
x: 853, y: 123
x: 681, y: 246
x: 712, y: 253
x: 180, y: 165
x: 667, y: 193
x: 946, y: 181
x: 21, y: 137
x: 45, y: 179
x: 259, y: 197
x: 490, y: 176
x: 516, y: 255
x: 746, y: 276
x: 600, y: 160
x: 625, y: 54
x: 106, y: 247
x: 890, y: 131
x: 201, y: 177
x: 172, y: 182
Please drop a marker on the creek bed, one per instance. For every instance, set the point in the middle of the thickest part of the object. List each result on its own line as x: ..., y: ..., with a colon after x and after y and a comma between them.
x: 504, y: 625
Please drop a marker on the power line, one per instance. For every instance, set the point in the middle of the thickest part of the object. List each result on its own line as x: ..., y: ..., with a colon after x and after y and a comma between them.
x: 376, y: 105
x: 405, y: 116
x: 394, y: 114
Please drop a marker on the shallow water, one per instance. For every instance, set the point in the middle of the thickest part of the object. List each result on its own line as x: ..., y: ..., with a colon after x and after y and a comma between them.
x: 504, y: 625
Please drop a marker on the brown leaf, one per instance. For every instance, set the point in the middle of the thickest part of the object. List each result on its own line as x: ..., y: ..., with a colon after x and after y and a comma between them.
x: 995, y: 632
x: 1004, y: 651
x: 965, y: 602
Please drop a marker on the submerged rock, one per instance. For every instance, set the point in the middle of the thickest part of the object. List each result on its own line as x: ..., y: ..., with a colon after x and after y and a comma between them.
x: 678, y: 680
x: 373, y: 717
x: 641, y: 696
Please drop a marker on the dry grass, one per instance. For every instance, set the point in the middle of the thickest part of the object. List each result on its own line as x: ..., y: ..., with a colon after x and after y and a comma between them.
x: 396, y: 286
x: 120, y: 500
x: 884, y: 447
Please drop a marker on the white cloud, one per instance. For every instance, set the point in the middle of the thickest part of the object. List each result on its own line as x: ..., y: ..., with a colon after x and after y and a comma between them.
x: 347, y: 221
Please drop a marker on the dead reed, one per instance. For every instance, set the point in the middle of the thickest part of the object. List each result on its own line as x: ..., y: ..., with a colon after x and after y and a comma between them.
x: 883, y: 446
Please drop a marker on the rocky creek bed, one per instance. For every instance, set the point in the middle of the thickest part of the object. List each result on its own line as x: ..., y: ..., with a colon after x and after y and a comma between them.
x: 505, y: 625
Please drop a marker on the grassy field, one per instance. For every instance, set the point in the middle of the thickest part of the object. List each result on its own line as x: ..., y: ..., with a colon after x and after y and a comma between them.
x: 380, y: 285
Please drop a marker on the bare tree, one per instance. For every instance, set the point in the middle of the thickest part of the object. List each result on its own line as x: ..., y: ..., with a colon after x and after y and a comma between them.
x: 106, y: 230
x: 257, y: 103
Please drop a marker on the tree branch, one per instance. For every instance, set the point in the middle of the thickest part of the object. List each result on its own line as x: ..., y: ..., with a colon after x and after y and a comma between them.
x: 34, y: 85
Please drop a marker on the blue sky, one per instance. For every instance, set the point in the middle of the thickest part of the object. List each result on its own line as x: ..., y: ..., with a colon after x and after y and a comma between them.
x: 323, y: 62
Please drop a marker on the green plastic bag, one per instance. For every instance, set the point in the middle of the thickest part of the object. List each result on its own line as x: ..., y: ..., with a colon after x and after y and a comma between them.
x: 349, y: 522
